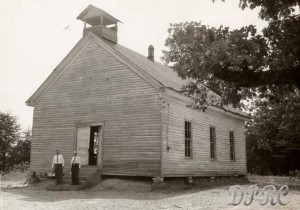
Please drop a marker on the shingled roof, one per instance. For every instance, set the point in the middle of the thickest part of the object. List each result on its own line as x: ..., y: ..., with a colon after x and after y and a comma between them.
x: 163, y: 74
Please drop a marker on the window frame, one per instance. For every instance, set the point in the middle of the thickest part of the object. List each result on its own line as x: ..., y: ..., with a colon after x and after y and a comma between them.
x: 212, y: 136
x: 232, y: 146
x: 188, y: 138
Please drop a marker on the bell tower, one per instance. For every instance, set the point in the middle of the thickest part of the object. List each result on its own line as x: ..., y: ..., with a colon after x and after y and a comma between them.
x: 100, y: 23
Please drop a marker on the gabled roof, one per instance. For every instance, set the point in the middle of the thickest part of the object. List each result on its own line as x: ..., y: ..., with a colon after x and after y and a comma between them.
x: 58, y: 70
x: 154, y: 73
x: 80, y: 46
x: 165, y: 75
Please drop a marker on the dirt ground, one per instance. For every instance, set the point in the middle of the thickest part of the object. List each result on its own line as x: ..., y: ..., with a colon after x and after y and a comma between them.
x: 131, y: 194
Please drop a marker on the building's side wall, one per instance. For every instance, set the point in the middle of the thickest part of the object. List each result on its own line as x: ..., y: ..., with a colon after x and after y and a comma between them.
x: 97, y: 87
x: 174, y: 162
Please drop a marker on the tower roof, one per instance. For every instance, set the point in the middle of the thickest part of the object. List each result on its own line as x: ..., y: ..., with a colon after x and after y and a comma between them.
x: 91, y: 16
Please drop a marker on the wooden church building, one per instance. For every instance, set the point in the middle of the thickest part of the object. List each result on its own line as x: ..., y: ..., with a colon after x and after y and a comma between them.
x: 124, y: 113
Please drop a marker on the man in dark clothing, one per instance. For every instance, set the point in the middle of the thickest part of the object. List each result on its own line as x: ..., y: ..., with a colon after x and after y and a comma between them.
x: 58, y: 165
x: 75, y: 167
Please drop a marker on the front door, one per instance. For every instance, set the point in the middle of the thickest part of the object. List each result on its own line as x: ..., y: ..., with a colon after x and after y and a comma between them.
x: 89, y: 145
x: 83, y: 140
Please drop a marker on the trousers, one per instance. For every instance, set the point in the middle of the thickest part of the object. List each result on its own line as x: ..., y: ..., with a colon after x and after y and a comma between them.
x: 75, y: 172
x: 58, y: 173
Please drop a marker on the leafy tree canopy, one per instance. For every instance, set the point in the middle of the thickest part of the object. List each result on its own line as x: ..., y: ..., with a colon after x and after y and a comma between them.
x: 260, y: 70
x: 240, y: 63
x: 273, y: 9
x: 9, y: 134
x: 273, y: 135
x: 21, y: 150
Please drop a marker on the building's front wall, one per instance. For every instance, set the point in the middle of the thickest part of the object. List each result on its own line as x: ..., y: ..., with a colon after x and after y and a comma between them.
x: 97, y: 87
x: 174, y: 162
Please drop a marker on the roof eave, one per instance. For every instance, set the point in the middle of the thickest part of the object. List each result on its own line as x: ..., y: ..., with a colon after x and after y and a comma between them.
x: 86, y: 10
x: 47, y: 83
x: 176, y: 94
x: 29, y: 103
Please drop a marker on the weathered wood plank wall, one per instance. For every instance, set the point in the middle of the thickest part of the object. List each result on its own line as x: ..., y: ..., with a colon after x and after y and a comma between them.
x: 98, y: 88
x: 174, y: 162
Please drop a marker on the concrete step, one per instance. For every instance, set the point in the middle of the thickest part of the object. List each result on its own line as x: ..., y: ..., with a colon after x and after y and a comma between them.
x: 83, y: 173
x: 80, y: 175
x: 83, y: 178
x: 81, y: 182
x: 90, y: 167
x: 87, y: 174
x: 89, y: 170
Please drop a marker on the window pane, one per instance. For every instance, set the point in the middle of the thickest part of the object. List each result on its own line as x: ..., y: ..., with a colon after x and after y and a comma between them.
x: 232, y: 146
x: 188, y: 138
x: 212, y: 154
x: 212, y: 142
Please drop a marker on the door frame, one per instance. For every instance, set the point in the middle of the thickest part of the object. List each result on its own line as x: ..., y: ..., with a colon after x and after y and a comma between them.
x: 101, y: 137
x: 100, y: 146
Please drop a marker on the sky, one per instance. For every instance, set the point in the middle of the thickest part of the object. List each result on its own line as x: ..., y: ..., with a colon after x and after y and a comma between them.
x: 33, y: 38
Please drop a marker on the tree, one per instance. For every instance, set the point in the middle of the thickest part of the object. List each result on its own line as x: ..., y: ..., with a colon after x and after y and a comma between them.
x: 271, y: 10
x: 273, y: 135
x: 9, y: 134
x: 247, y: 67
x: 236, y: 63
x: 21, y: 151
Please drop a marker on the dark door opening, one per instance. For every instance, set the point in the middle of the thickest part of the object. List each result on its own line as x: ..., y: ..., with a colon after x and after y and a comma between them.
x: 94, y: 144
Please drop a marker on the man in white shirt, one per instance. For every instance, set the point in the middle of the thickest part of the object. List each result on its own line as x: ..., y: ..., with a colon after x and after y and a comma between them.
x: 58, y: 165
x: 75, y: 167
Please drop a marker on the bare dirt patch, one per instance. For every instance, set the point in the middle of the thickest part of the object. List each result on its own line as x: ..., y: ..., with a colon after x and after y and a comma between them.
x: 117, y: 193
x: 14, y: 179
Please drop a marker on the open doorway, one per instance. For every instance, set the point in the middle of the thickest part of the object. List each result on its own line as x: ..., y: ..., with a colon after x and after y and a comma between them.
x: 94, y: 145
x: 89, y: 144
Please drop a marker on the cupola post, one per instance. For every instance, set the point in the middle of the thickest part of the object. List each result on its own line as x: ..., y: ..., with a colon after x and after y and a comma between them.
x: 100, y: 23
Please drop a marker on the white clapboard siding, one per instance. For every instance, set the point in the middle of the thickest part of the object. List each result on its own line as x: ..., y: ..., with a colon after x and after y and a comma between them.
x: 97, y: 87
x: 174, y: 162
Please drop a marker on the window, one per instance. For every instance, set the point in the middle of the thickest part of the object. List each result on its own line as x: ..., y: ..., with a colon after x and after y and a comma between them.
x: 212, y: 132
x: 188, y: 138
x: 231, y: 143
